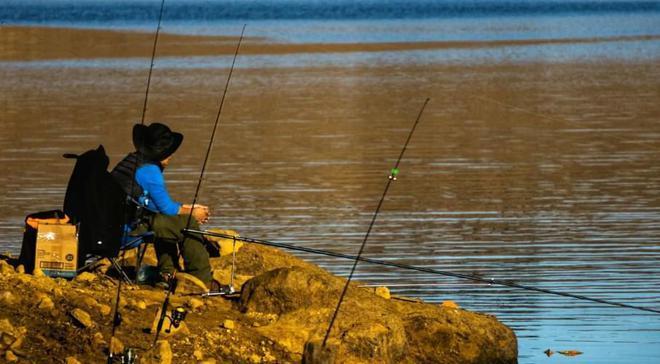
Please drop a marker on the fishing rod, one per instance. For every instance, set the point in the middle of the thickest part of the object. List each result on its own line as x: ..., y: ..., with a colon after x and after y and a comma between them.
x: 489, y: 281
x: 153, y: 57
x: 116, y: 318
x: 199, y: 184
x: 392, y: 177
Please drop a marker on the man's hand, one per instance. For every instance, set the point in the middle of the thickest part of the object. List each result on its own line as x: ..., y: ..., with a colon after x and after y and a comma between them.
x: 200, y: 212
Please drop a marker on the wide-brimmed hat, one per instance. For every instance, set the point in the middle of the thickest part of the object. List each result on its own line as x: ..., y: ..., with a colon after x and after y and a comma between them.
x: 156, y: 141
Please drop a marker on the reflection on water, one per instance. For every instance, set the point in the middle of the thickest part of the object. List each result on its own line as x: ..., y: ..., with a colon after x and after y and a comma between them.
x: 545, y: 175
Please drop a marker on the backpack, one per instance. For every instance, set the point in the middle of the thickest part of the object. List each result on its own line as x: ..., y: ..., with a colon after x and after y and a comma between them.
x: 96, y: 202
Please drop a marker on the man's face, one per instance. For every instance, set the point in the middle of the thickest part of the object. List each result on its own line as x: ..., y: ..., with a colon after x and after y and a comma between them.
x: 165, y: 161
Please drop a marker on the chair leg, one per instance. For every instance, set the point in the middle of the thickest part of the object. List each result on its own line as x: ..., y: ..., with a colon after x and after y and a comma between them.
x: 142, y: 250
x: 87, y: 266
x: 92, y: 262
x: 121, y: 271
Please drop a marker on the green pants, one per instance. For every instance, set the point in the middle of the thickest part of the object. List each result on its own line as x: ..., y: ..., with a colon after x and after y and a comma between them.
x: 167, y: 231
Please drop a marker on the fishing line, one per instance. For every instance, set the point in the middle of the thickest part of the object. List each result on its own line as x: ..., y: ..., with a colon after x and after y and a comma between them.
x: 393, y: 173
x: 116, y: 318
x: 489, y: 281
x: 215, y: 127
x: 199, y: 184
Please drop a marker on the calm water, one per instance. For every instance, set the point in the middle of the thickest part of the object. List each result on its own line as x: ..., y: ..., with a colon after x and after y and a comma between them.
x: 541, y: 173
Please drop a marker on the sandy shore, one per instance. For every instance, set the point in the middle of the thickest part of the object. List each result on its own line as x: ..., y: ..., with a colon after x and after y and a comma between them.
x: 40, y: 43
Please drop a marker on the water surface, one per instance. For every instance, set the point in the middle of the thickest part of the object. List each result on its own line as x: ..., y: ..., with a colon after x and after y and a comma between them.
x: 531, y: 164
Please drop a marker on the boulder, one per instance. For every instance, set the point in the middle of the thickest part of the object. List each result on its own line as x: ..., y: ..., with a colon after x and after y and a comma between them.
x: 86, y: 277
x: 104, y: 309
x: 8, y: 298
x: 6, y: 326
x: 368, y: 328
x: 223, y: 276
x: 98, y: 341
x: 189, y: 284
x: 37, y: 272
x: 116, y: 346
x: 160, y: 354
x: 383, y: 292
x: 449, y: 304
x: 194, y: 303
x: 229, y: 324
x: 17, y: 342
x: 253, y: 260
x: 164, y: 352
x: 168, y: 328
x: 6, y: 268
x: 317, y: 353
x: 46, y: 304
x: 90, y: 302
x: 286, y: 290
x: 223, y: 245
x: 11, y: 338
x: 82, y: 318
x: 465, y: 337
x: 10, y: 357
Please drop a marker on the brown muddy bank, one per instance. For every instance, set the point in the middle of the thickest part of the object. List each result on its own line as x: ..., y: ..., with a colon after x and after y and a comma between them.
x: 285, y: 303
x: 40, y: 43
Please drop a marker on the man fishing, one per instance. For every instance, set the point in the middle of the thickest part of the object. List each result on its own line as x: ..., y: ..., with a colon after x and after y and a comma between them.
x: 140, y: 174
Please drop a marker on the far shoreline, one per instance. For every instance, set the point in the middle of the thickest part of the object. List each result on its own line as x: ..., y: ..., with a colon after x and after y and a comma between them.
x: 39, y: 43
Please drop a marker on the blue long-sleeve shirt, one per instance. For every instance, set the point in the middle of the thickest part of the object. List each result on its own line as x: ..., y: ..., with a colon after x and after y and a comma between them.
x: 156, y: 197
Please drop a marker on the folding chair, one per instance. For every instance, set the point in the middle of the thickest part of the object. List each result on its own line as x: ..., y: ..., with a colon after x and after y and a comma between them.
x: 128, y: 242
x: 101, y: 208
x: 133, y: 241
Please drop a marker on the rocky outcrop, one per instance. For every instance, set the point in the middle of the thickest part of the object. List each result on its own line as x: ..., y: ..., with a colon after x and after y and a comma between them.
x: 284, y: 308
x: 370, y: 328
